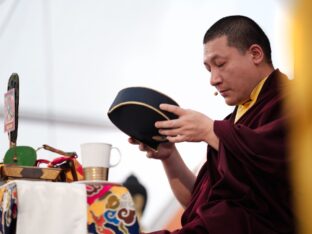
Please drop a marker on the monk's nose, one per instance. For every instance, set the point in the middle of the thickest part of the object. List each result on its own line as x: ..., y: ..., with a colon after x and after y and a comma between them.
x: 215, y: 79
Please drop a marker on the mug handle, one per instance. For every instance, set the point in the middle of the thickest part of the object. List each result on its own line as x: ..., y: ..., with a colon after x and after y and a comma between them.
x: 118, y: 161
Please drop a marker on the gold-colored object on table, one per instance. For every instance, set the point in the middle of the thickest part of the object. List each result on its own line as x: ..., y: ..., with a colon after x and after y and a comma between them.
x: 13, y: 172
x: 95, y: 173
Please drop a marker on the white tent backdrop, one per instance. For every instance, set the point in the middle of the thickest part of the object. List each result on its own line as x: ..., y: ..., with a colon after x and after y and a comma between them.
x: 73, y: 56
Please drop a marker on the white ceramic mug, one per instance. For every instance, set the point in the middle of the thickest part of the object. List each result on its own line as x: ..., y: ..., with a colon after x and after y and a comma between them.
x: 96, y: 160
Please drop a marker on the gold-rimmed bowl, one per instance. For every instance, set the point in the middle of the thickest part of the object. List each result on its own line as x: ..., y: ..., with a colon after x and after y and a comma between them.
x: 135, y: 111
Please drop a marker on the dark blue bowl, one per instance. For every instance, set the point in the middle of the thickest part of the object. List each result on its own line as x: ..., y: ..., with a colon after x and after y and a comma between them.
x: 135, y: 111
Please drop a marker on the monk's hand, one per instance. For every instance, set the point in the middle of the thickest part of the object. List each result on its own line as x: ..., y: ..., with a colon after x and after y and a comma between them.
x: 164, y: 150
x: 191, y: 126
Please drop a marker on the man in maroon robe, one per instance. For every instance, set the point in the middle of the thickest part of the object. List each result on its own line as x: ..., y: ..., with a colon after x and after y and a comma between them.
x: 244, y: 186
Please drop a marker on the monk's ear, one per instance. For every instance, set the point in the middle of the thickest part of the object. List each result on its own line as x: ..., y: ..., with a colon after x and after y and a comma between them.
x: 256, y: 53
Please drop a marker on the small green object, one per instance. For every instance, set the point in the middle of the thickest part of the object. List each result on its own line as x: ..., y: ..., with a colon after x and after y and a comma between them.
x: 20, y: 155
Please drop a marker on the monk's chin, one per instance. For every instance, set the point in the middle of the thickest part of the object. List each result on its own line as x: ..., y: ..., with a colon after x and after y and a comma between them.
x: 230, y: 102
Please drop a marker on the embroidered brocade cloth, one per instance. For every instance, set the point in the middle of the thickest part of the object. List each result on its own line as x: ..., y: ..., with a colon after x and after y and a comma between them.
x: 110, y: 209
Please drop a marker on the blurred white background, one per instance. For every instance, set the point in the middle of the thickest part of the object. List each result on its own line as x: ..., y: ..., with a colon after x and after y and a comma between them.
x: 73, y: 56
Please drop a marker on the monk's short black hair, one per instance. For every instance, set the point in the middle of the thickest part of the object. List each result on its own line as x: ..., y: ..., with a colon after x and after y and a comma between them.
x: 241, y: 33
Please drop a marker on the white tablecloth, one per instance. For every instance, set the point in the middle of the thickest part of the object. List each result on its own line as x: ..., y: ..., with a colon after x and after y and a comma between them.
x: 37, y: 214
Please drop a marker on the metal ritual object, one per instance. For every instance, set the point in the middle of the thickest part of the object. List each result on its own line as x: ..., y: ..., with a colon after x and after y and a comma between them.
x: 14, y: 84
x: 18, y: 155
x: 19, y: 161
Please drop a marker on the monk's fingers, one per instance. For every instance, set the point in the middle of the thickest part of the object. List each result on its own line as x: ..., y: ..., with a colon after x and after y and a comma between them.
x: 142, y: 147
x: 174, y: 123
x: 146, y: 148
x: 169, y: 132
x: 172, y: 108
x: 149, y: 154
x: 133, y: 141
x: 176, y: 139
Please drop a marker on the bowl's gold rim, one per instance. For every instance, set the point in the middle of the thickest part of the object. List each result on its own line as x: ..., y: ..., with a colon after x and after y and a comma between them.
x: 140, y: 104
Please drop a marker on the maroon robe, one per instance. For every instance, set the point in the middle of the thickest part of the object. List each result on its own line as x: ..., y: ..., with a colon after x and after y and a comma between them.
x: 244, y: 188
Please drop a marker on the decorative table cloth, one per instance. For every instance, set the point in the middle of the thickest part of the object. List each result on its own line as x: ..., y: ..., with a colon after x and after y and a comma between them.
x: 110, y: 208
